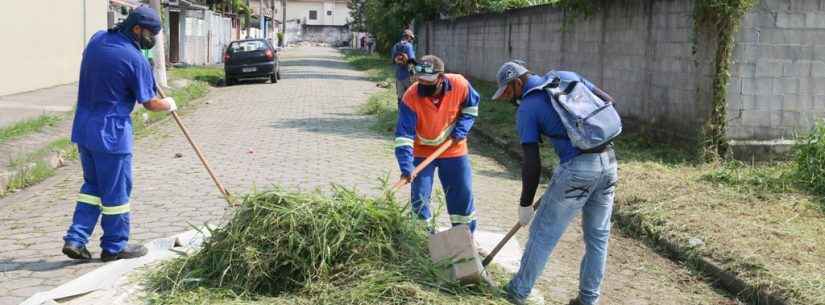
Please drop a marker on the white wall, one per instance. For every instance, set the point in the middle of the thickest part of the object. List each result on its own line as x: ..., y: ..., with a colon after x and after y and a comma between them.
x: 44, y: 41
x: 300, y: 10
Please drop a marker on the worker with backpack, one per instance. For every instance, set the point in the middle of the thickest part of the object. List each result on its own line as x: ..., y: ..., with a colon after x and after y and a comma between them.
x: 580, y: 122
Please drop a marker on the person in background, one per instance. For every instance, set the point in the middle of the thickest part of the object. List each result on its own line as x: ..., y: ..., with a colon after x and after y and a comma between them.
x: 403, y: 56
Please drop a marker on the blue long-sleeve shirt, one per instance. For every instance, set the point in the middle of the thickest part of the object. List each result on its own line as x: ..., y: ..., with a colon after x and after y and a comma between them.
x: 402, y: 72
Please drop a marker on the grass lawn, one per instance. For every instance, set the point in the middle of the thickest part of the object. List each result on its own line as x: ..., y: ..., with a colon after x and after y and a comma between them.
x: 752, y: 219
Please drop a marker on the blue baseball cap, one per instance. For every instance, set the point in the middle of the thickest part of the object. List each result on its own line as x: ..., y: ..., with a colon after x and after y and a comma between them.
x: 509, y: 71
x: 144, y: 17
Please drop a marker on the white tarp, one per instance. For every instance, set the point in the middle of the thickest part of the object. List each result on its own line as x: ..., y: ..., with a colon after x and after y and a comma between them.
x: 111, y: 275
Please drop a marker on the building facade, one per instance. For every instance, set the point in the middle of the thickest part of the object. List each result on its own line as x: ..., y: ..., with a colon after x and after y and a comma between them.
x: 45, y: 41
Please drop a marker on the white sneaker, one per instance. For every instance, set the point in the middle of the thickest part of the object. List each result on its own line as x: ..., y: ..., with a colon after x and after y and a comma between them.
x: 534, y: 298
x: 481, y: 251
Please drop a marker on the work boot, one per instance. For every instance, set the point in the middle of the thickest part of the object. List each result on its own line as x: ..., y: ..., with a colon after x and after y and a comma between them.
x: 131, y: 251
x: 575, y: 301
x: 75, y: 251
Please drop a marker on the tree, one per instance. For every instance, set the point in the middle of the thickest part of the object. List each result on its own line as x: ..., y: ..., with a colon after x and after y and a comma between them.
x: 358, y: 14
x: 385, y: 19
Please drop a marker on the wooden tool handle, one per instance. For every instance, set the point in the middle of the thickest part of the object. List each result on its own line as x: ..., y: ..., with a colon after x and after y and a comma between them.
x: 441, y: 149
x: 198, y: 152
x: 506, y: 238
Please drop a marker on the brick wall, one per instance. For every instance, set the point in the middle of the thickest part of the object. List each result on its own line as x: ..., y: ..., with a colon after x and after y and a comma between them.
x: 777, y: 87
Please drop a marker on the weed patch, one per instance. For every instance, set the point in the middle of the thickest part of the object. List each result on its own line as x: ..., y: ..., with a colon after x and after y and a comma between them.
x: 27, y: 127
x: 141, y: 118
x: 810, y: 160
x: 307, y: 248
x: 210, y: 75
x: 33, y: 168
x: 378, y: 68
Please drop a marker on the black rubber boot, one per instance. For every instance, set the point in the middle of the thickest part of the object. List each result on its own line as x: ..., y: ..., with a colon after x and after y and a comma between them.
x: 76, y: 252
x: 131, y: 251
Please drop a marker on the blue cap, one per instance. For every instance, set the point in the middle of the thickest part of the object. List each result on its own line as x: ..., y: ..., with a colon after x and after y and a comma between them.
x: 144, y: 17
x: 509, y: 71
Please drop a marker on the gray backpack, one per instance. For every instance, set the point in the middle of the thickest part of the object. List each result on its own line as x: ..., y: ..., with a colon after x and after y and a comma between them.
x: 591, y: 123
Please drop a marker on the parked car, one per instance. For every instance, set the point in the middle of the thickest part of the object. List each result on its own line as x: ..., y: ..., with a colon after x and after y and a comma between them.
x: 251, y: 58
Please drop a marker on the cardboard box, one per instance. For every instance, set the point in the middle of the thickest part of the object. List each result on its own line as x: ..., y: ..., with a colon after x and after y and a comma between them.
x: 455, y: 247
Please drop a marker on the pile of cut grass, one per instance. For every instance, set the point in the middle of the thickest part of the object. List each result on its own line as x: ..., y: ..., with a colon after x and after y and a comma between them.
x: 298, y: 248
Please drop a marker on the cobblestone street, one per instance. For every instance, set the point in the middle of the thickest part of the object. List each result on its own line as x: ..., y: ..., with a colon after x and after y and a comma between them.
x: 301, y: 133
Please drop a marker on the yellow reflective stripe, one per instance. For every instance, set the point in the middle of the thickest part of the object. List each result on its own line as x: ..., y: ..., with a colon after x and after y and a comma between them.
x: 124, y: 208
x: 440, y: 139
x: 462, y: 218
x: 473, y: 110
x: 402, y: 141
x: 88, y: 199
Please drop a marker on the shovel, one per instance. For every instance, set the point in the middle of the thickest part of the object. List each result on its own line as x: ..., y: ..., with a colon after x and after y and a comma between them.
x: 224, y: 192
x: 506, y: 238
x: 441, y: 149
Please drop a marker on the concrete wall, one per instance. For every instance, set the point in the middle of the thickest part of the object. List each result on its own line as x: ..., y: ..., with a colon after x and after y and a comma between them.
x: 333, y: 35
x: 44, y: 41
x: 638, y: 51
x: 778, y: 80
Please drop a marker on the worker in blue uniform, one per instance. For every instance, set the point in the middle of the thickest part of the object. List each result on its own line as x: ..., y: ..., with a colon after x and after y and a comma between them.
x: 403, y: 56
x: 436, y: 107
x: 113, y: 76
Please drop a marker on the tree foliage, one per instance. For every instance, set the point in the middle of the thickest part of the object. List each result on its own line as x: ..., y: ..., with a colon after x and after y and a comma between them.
x: 385, y: 19
x: 229, y: 6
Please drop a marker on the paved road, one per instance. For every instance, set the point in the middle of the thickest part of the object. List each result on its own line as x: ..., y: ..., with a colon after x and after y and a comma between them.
x: 302, y: 133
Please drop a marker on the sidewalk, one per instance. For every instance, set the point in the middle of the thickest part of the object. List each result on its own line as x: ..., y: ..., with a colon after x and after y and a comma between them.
x: 19, y: 107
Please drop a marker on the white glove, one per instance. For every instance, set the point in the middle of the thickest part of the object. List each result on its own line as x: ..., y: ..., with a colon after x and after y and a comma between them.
x: 171, y: 102
x: 525, y: 214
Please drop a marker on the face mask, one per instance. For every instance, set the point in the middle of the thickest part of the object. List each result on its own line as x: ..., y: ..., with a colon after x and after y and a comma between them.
x: 147, y: 40
x: 515, y: 99
x: 427, y: 90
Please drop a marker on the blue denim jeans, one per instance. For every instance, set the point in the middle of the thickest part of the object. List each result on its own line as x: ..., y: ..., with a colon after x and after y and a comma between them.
x: 585, y: 183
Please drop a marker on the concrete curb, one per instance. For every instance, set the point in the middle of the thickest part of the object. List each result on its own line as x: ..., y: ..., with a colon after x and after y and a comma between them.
x: 727, y: 280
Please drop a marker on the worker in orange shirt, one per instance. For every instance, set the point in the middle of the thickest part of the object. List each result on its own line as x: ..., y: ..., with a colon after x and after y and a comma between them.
x: 437, y: 107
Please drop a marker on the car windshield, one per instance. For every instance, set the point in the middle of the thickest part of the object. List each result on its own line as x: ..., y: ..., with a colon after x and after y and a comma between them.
x: 247, y: 46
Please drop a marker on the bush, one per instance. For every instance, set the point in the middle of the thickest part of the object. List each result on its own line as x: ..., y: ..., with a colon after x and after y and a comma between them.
x: 809, y: 153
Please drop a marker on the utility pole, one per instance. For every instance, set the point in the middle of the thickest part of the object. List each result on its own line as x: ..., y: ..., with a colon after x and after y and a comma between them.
x: 274, y: 29
x: 159, y: 49
x: 262, y: 20
x: 283, y: 22
x: 248, y: 19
